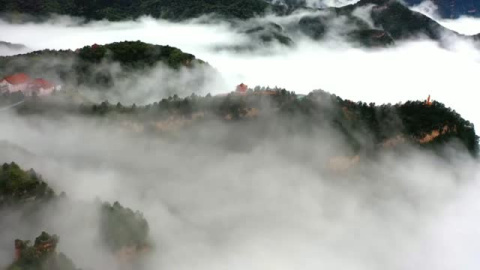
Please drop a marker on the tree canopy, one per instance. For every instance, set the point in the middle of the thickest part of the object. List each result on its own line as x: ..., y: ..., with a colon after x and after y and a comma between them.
x: 17, y: 185
x: 127, y: 9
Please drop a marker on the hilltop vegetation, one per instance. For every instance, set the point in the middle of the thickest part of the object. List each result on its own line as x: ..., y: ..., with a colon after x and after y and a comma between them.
x: 92, y: 65
x: 17, y: 186
x: 413, y: 122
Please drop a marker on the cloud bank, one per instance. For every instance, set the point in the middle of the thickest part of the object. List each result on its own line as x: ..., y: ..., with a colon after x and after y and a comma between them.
x: 259, y: 198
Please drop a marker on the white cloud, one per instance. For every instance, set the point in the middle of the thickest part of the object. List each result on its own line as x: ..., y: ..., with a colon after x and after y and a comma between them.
x: 464, y: 25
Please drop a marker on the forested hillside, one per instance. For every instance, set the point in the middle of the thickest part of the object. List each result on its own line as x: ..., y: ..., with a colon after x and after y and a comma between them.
x: 18, y: 186
x: 413, y: 122
x: 91, y: 65
x: 121, y: 10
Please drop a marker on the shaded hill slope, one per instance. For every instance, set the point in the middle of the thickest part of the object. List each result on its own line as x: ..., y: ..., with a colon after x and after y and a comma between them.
x: 97, y: 65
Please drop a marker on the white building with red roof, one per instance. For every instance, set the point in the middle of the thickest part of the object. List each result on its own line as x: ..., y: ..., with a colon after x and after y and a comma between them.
x: 241, y: 88
x: 28, y: 86
x: 15, y: 82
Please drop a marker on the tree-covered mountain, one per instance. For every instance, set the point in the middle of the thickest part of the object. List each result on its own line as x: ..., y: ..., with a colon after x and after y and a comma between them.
x: 397, y: 20
x: 122, y: 10
x: 414, y: 122
x: 392, y: 21
x: 382, y: 23
x: 95, y: 65
x: 19, y: 186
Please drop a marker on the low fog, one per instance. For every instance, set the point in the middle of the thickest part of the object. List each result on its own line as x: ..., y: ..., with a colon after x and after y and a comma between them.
x: 248, y: 197
x: 254, y: 197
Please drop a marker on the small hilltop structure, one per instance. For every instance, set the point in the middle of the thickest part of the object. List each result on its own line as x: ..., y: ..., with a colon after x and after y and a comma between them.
x: 241, y: 88
x: 428, y: 102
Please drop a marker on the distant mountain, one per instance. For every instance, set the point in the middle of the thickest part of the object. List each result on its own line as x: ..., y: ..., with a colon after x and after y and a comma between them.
x: 446, y: 8
x: 122, y: 10
x: 7, y: 48
x: 453, y: 8
x: 392, y: 21
x: 12, y: 45
x: 185, y: 9
x: 397, y: 20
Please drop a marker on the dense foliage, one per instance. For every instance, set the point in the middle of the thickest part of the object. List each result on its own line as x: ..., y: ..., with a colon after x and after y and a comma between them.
x: 17, y: 185
x: 414, y: 120
x: 126, y: 9
x: 121, y: 227
x: 136, y: 54
x: 41, y: 256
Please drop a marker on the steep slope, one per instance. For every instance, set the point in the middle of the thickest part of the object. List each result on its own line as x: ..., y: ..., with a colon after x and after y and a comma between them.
x: 366, y: 23
x: 398, y: 20
x: 392, y: 21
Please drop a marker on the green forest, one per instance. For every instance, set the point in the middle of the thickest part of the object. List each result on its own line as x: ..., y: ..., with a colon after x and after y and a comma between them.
x: 128, y: 9
x: 84, y: 65
x: 17, y: 185
x: 413, y: 121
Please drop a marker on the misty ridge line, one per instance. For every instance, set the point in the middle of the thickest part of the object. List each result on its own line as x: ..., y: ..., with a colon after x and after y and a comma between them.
x: 367, y: 23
